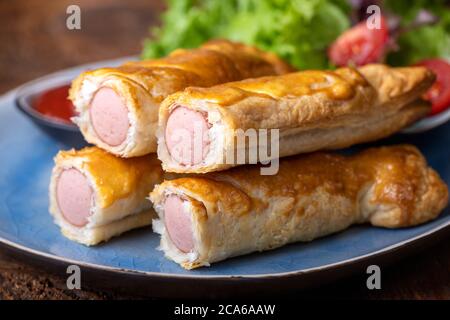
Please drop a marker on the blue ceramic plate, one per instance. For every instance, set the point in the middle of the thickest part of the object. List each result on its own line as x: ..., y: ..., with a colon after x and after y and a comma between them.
x: 132, y: 259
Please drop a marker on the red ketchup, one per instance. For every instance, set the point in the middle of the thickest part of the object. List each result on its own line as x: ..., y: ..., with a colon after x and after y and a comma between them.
x: 55, y: 104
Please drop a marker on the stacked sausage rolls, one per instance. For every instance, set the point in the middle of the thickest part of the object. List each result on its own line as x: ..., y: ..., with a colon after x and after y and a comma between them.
x: 205, y: 95
x: 118, y: 107
x: 95, y: 195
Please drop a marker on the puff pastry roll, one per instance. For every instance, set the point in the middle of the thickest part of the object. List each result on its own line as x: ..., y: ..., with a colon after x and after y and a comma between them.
x: 209, y: 218
x: 118, y: 107
x: 95, y: 196
x: 312, y: 110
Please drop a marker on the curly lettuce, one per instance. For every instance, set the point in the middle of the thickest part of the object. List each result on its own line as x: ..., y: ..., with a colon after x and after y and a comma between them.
x: 424, y: 42
x: 299, y: 31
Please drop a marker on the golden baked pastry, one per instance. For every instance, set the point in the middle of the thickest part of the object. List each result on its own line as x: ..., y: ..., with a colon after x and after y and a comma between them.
x: 313, y: 110
x: 95, y: 195
x: 118, y: 107
x: 208, y: 218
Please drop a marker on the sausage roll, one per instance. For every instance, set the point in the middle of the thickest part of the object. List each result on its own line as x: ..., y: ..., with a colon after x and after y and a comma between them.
x: 95, y: 195
x: 212, y: 217
x: 312, y: 110
x: 118, y: 107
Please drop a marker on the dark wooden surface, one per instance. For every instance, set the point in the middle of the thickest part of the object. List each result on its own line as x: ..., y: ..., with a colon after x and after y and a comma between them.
x: 34, y: 41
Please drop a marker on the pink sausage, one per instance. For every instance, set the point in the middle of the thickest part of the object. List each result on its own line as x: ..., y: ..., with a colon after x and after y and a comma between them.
x: 178, y: 223
x: 109, y: 117
x: 187, y: 136
x: 74, y: 197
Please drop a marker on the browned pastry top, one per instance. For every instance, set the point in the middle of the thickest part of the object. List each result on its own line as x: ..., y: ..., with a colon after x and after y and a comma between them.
x: 215, y: 62
x: 309, y: 99
x: 114, y: 177
x: 398, y: 175
x: 341, y: 84
x: 338, y: 85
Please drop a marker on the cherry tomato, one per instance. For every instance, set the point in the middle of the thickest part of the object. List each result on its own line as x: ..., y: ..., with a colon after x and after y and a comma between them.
x: 439, y: 93
x: 360, y: 45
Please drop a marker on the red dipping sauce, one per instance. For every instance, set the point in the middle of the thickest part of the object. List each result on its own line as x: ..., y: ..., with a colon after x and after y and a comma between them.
x: 55, y: 104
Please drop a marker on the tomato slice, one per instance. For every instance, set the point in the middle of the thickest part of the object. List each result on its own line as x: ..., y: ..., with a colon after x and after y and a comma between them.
x: 360, y: 45
x: 439, y: 93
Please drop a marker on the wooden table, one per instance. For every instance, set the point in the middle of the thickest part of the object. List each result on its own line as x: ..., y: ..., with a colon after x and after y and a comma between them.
x: 34, y: 41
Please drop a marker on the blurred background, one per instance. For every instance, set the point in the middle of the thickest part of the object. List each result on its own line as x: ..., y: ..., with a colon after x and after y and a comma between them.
x: 35, y: 41
x: 309, y: 34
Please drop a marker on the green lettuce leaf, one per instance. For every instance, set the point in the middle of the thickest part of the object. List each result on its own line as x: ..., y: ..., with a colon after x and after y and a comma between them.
x: 297, y: 30
x: 425, y: 42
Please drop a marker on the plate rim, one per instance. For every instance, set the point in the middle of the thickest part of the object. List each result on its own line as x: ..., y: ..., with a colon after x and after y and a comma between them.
x: 441, y: 228
x: 266, y: 276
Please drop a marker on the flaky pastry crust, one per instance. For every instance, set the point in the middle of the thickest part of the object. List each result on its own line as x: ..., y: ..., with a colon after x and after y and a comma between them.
x: 239, y: 211
x: 313, y: 110
x: 144, y: 84
x: 120, y: 188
